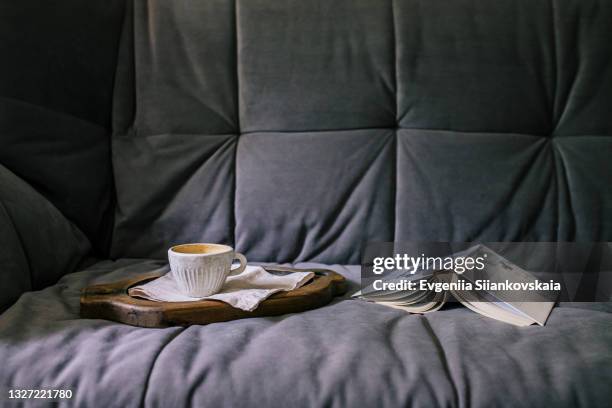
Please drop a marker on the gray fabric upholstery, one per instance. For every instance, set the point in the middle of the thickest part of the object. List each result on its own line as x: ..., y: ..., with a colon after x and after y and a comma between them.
x: 476, y: 66
x: 283, y: 192
x: 37, y: 243
x: 174, y: 155
x: 298, y: 130
x: 56, y: 86
x: 583, y: 88
x: 185, y: 66
x: 585, y: 196
x: 456, y: 200
x: 348, y: 354
x: 14, y: 276
x: 167, y: 180
x: 315, y: 65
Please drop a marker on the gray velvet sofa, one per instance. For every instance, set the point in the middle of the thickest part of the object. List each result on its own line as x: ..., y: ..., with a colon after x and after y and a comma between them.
x: 297, y: 131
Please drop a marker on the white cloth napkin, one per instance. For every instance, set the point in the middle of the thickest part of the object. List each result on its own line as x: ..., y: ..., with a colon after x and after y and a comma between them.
x: 244, y: 291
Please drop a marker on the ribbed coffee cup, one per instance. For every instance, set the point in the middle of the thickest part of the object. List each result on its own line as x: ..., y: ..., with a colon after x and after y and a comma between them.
x: 201, y: 269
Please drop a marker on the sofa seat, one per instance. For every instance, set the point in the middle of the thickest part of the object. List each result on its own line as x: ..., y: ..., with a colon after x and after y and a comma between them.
x: 349, y: 353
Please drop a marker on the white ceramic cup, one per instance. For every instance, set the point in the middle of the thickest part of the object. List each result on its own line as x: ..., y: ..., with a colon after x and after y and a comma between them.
x: 201, y: 269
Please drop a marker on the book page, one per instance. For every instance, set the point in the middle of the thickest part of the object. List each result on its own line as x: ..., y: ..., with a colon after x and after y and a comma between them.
x: 537, y: 308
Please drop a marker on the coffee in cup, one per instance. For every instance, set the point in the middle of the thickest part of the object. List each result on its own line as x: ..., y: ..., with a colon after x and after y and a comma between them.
x: 201, y: 269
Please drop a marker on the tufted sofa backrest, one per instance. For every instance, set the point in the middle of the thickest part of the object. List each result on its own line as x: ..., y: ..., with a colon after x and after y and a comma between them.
x: 300, y: 129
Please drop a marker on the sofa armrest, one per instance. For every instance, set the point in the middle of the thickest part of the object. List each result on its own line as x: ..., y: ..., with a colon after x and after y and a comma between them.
x: 37, y: 243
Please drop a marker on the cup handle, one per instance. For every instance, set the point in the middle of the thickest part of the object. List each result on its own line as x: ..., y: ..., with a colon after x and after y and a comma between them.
x: 243, y: 264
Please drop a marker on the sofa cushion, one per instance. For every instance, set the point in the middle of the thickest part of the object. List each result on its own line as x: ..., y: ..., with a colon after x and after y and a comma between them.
x: 38, y: 243
x: 475, y: 66
x: 175, y: 127
x: 349, y: 353
x: 14, y: 275
x: 172, y: 189
x: 315, y: 65
x: 56, y: 87
x: 585, y: 196
x: 583, y: 93
x: 300, y: 190
x: 184, y: 62
x: 300, y: 130
x: 457, y: 200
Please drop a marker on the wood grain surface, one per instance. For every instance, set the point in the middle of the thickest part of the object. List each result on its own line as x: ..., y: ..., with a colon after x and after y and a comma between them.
x: 112, y: 302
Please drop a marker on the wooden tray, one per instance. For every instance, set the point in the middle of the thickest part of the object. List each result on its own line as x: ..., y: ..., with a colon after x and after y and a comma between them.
x: 112, y: 302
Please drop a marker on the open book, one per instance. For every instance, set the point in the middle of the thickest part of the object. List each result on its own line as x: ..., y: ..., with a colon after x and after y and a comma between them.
x: 517, y: 309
